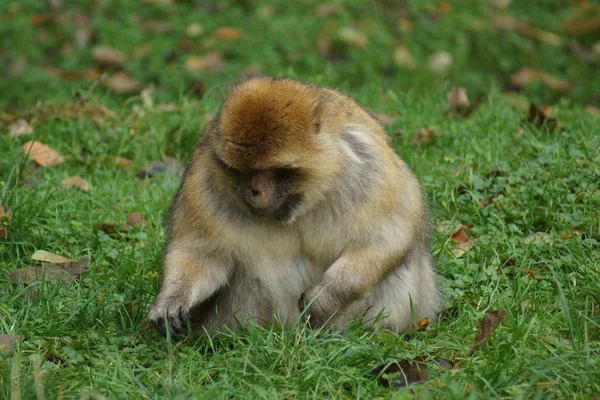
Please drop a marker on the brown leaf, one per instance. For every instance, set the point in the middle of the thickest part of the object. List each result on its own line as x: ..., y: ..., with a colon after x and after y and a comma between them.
x: 422, y: 324
x: 591, y: 110
x: 459, y: 102
x: 537, y: 238
x: 121, y: 83
x: 136, y: 219
x: 506, y: 22
x: 440, y: 62
x: 527, y: 75
x: 156, y: 25
x: 487, y: 325
x: 228, y: 32
x: 76, y: 182
x: 353, y: 37
x: 20, y: 128
x: 42, y: 154
x: 170, y: 165
x: 399, y: 374
x: 106, y: 56
x: 403, y: 58
x: 462, y: 234
x: 51, y: 258
x: 210, y: 62
x: 66, y: 271
x: 9, y: 342
x: 5, y: 217
x: 461, y: 248
x: 448, y: 227
x: 194, y: 30
x: 326, y: 10
x: 539, y: 118
x: 28, y: 275
x: 423, y: 136
x: 122, y: 162
x: 581, y: 25
x: 530, y: 274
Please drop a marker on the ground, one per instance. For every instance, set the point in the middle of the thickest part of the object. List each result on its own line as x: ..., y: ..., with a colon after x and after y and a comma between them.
x: 514, y: 201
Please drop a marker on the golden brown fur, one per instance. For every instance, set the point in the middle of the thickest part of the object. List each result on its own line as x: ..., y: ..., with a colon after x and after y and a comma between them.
x: 294, y: 198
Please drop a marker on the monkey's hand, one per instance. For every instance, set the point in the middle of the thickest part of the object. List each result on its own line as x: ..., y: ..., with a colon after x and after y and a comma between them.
x: 190, y: 279
x: 349, y: 278
x: 319, y: 304
x: 172, y: 310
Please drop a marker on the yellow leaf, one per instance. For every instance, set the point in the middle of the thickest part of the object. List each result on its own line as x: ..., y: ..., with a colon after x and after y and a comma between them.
x: 42, y: 154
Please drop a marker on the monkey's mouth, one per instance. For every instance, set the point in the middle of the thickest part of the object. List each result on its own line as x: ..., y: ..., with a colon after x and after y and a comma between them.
x: 285, y: 212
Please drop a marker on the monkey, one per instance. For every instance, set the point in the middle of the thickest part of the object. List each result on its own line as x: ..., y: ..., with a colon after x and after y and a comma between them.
x: 294, y: 205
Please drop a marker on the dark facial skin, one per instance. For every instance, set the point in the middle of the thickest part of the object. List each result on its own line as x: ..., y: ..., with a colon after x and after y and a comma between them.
x: 267, y: 192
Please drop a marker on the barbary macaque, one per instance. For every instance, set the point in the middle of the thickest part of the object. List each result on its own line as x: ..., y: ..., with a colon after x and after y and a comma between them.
x: 295, y: 202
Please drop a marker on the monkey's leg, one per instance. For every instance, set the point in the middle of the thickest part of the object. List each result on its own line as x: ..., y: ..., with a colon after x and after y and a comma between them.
x: 191, y: 276
x: 348, y: 279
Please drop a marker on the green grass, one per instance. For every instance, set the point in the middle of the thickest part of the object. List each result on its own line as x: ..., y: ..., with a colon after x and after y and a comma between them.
x: 89, y: 334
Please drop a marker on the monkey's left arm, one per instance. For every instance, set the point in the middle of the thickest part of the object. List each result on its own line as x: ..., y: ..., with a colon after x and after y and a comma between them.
x: 357, y: 270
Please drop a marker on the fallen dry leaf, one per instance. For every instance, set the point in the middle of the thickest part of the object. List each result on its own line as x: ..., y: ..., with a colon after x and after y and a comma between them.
x: 252, y: 69
x: 527, y: 75
x: 66, y: 271
x: 8, y: 342
x: 403, y: 58
x: 399, y: 374
x: 136, y: 219
x: 591, y: 110
x: 106, y: 56
x: 5, y: 217
x: 537, y: 238
x: 461, y: 248
x: 194, y: 30
x: 457, y: 99
x: 440, y: 62
x: 121, y: 83
x: 20, y: 128
x: 423, y: 136
x: 582, y: 24
x: 448, y: 227
x: 42, y: 154
x: 122, y: 162
x: 171, y: 166
x: 507, y: 22
x: 462, y: 234
x: 228, y: 32
x: 326, y: 10
x: 28, y: 275
x: 353, y: 37
x: 530, y: 274
x: 210, y: 62
x: 459, y: 103
x: 539, y: 118
x: 46, y: 256
x: 487, y: 325
x: 168, y: 107
x: 422, y: 324
x: 76, y: 182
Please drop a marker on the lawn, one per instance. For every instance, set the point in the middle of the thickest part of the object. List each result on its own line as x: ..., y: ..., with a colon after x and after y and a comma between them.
x: 514, y: 196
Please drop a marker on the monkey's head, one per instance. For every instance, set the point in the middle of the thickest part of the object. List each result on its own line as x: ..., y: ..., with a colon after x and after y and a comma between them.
x: 267, y: 139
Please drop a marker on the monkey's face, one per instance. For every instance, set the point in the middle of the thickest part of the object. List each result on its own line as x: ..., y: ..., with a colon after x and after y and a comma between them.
x: 273, y: 193
x: 267, y: 139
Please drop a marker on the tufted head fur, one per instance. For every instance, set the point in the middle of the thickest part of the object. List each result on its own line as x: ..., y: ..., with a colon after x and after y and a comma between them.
x: 268, y: 123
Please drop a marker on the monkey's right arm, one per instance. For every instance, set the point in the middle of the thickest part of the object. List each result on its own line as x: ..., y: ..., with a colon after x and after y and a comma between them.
x: 192, y: 274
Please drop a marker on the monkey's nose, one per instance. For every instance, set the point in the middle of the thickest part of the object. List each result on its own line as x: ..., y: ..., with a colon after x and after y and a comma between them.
x: 252, y: 194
